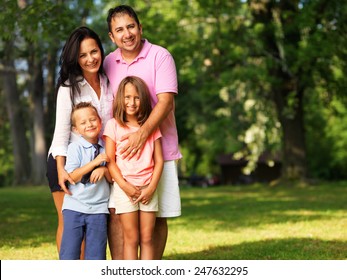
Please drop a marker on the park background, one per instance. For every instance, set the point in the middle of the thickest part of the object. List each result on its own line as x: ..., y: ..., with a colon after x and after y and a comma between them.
x: 261, y: 115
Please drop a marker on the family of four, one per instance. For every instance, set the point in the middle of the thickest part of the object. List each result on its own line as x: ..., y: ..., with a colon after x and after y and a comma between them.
x: 112, y: 164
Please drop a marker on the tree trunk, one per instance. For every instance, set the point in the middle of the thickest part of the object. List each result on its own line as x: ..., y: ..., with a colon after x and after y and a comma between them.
x: 280, y: 33
x: 293, y: 143
x: 17, y: 120
x: 50, y: 107
x: 39, y: 151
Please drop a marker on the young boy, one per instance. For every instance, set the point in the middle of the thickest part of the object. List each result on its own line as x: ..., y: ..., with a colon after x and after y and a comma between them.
x: 85, y: 211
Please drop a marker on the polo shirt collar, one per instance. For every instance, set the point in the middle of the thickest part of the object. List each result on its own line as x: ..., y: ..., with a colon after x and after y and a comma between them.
x: 87, y: 144
x: 143, y: 53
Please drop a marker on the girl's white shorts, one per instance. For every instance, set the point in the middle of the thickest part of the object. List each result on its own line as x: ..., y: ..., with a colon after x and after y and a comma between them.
x: 169, y: 200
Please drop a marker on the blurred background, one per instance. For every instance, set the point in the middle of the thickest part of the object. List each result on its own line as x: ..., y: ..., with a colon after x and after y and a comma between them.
x: 262, y: 84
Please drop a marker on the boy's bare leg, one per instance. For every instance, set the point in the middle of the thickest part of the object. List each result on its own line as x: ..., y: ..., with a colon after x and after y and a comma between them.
x: 160, y: 237
x: 115, y: 236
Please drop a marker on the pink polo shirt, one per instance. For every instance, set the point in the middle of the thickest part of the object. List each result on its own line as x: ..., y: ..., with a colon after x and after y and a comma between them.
x: 137, y: 172
x: 156, y: 66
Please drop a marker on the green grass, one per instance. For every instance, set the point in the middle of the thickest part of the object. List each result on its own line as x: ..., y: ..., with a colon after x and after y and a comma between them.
x: 255, y: 222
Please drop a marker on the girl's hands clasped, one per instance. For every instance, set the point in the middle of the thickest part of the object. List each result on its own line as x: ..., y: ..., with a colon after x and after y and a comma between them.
x: 146, y: 195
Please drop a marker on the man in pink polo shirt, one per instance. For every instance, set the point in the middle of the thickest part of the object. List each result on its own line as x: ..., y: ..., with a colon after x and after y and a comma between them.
x: 155, y: 65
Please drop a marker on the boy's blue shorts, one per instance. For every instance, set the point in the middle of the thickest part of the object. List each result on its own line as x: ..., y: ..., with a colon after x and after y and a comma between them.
x: 79, y: 226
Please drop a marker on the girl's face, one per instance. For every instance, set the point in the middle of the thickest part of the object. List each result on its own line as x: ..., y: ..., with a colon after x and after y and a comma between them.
x: 131, y: 99
x: 89, y: 57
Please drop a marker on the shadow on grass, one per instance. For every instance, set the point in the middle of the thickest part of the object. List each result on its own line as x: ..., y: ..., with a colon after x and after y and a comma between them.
x: 272, y: 249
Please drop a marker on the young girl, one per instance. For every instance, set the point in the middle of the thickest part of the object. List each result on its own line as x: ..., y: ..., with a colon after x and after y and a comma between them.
x: 134, y: 192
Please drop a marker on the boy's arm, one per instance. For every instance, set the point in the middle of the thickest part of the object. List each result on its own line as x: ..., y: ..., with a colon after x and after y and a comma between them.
x: 100, y: 172
x: 77, y: 174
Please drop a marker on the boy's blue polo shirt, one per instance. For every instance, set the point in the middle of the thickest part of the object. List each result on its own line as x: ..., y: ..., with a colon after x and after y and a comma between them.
x: 89, y: 198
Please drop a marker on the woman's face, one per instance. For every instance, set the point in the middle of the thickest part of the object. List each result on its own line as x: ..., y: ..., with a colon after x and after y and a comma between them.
x: 89, y: 57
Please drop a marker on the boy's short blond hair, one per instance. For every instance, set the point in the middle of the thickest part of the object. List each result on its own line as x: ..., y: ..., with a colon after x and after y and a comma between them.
x: 82, y: 105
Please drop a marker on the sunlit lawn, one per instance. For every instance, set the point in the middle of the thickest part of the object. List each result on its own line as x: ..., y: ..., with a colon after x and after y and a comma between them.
x: 255, y: 222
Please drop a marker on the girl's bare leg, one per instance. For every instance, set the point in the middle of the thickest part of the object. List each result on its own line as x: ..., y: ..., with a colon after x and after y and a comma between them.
x: 130, y: 224
x: 147, y: 223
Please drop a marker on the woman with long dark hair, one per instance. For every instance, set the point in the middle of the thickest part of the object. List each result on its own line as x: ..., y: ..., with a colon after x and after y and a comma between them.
x: 81, y: 79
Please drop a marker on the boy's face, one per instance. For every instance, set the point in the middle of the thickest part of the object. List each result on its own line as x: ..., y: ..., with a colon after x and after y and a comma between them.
x: 87, y: 123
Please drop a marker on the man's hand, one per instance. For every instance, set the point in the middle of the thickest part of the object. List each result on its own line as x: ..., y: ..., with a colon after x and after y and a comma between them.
x: 133, y: 147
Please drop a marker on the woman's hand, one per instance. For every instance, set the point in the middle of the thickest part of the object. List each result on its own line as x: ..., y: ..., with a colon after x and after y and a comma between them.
x: 63, y: 177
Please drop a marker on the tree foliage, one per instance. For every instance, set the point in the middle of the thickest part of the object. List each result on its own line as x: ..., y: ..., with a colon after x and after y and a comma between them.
x: 254, y: 76
x: 32, y: 36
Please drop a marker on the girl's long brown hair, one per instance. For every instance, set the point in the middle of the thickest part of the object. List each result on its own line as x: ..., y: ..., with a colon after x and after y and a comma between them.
x: 145, y: 102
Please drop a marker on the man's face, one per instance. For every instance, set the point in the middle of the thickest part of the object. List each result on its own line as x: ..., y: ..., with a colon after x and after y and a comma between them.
x: 126, y: 34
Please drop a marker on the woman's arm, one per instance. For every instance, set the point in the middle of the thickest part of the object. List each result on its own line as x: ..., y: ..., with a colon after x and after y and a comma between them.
x: 63, y: 175
x: 61, y: 135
